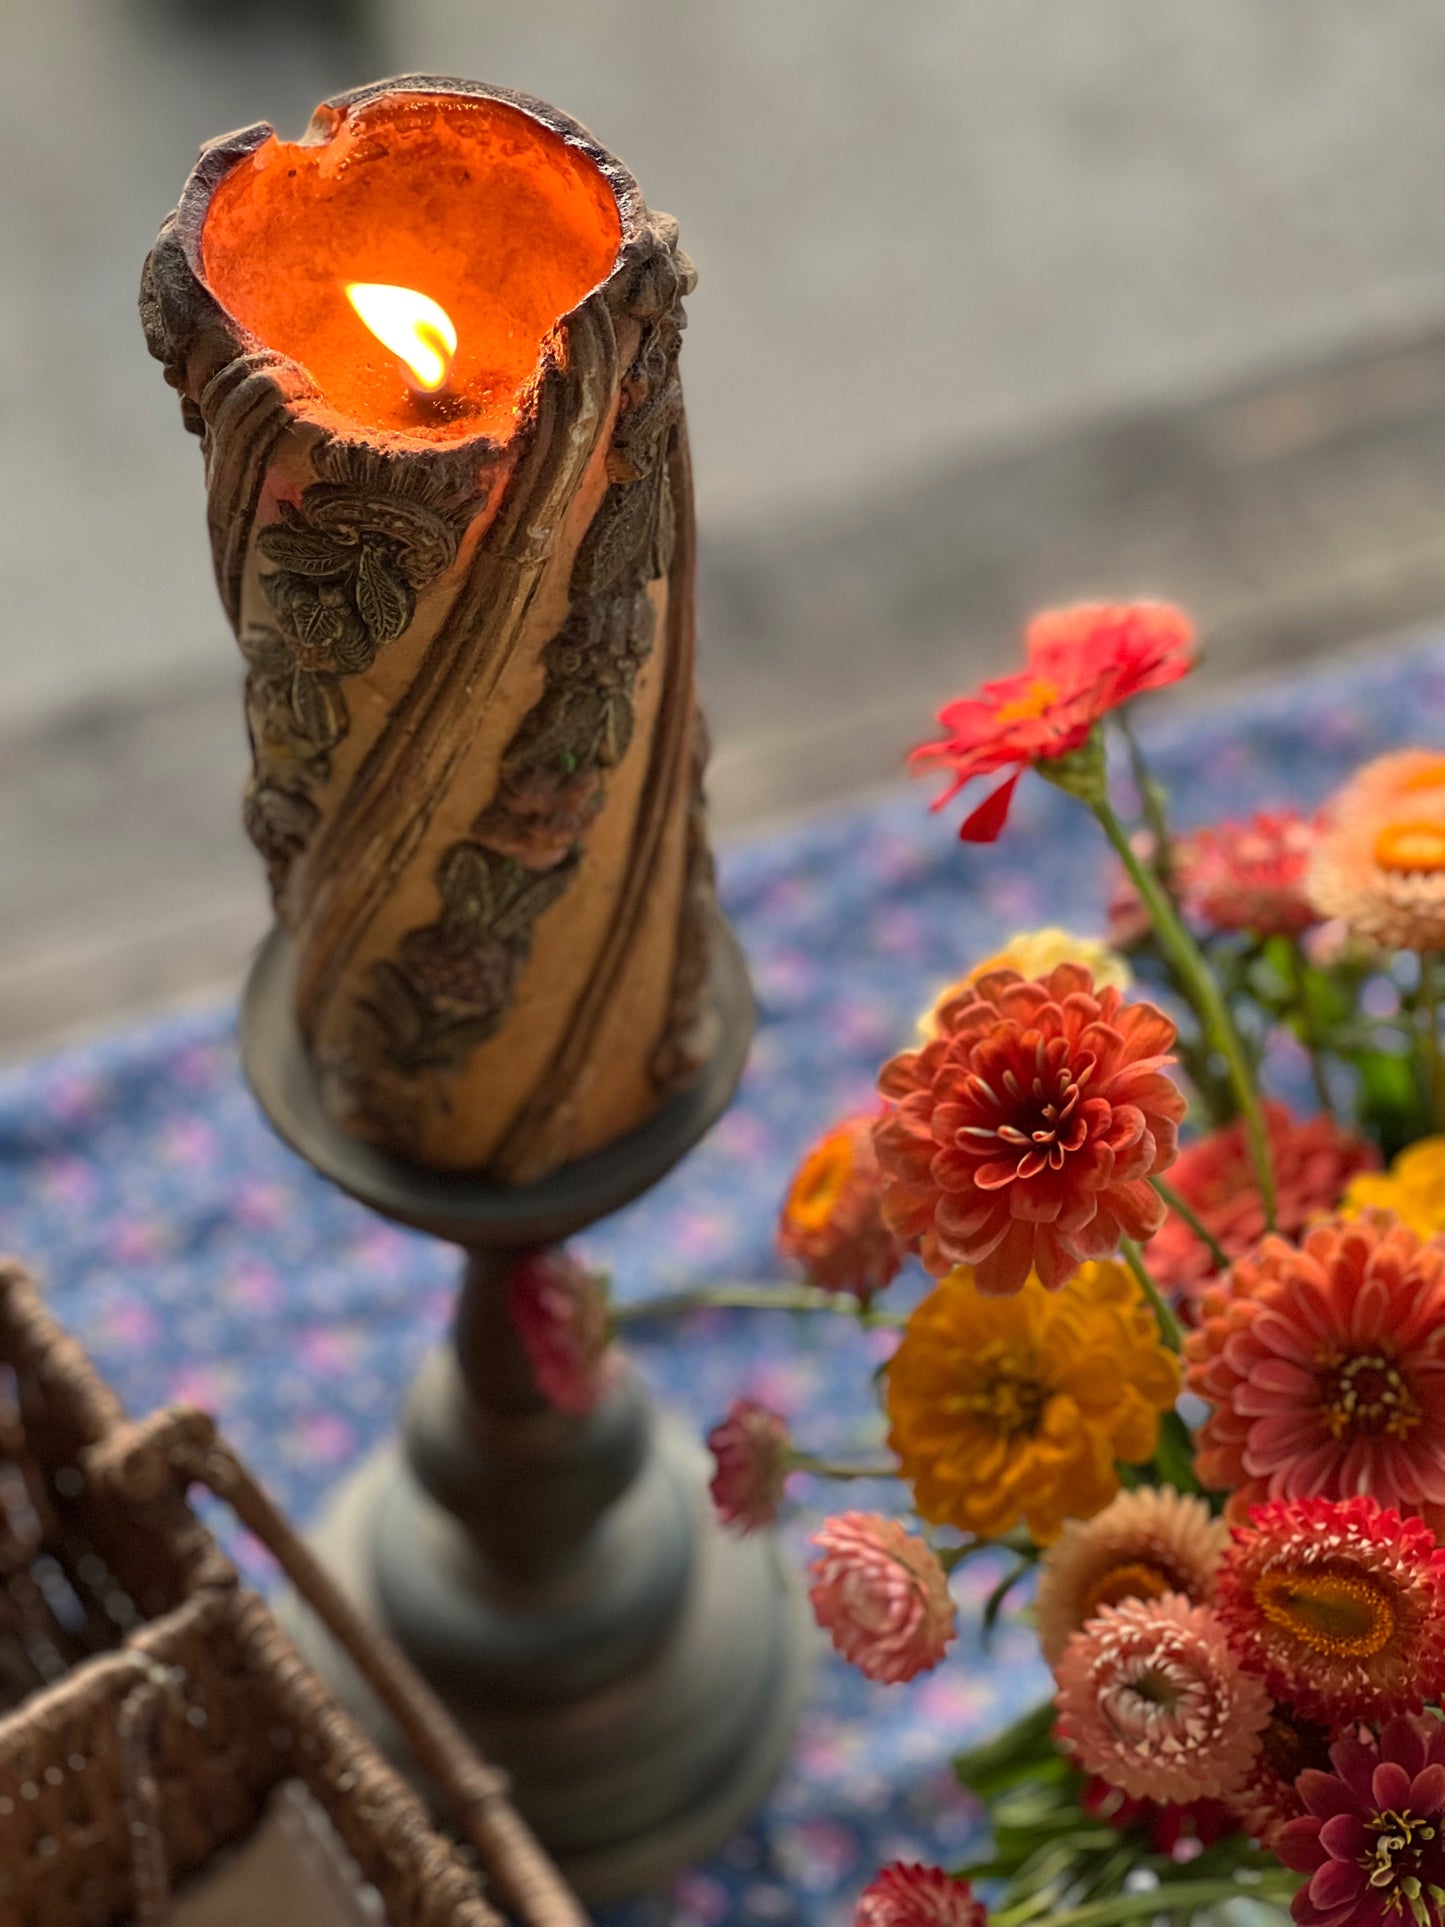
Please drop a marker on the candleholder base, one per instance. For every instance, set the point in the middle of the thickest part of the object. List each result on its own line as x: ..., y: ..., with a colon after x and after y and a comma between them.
x: 560, y: 1579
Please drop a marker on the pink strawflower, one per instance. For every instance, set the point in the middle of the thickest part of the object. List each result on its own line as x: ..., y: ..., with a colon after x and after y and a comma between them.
x: 1249, y: 875
x: 1152, y: 1699
x: 881, y: 1596
x: 1325, y: 1367
x: 1314, y: 1161
x: 1338, y: 1605
x: 750, y: 1451
x: 1372, y: 1840
x: 559, y: 1311
x: 907, y: 1895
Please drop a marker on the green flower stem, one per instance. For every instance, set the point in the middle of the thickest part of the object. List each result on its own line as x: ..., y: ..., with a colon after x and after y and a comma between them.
x: 1170, y: 1897
x: 1151, y: 797
x: 1308, y: 1036
x: 828, y: 1469
x: 1428, y: 1011
x: 1170, y: 1330
x: 1203, y: 993
x: 1196, y: 1224
x: 676, y: 1304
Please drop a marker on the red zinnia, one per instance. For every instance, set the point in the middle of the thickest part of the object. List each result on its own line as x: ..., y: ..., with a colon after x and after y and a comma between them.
x: 1027, y: 1129
x: 1081, y: 663
x: 1313, y: 1161
x: 1325, y: 1366
x: 1372, y: 1841
x: 1250, y: 875
x: 1338, y: 1605
x: 905, y: 1894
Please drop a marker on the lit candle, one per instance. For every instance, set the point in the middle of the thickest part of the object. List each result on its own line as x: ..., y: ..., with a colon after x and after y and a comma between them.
x: 431, y: 353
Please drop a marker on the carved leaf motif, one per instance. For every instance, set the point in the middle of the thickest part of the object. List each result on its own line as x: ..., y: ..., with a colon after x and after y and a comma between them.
x: 303, y: 552
x: 319, y: 708
x: 384, y: 599
x: 527, y: 893
x: 466, y: 886
x: 318, y: 624
x: 396, y: 1007
x: 355, y: 650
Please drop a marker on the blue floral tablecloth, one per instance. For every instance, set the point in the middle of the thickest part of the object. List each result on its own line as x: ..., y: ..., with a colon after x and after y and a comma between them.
x: 199, y: 1260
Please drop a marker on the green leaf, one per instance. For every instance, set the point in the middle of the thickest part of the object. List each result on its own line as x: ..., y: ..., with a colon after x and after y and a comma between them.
x: 1029, y: 1743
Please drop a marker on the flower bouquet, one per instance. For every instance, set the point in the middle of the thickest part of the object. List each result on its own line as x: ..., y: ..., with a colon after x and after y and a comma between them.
x: 1194, y: 1396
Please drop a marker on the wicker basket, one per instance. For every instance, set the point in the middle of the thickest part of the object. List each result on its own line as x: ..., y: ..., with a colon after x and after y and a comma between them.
x: 150, y: 1704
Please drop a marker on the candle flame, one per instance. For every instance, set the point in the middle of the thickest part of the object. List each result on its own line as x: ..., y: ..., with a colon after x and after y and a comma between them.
x: 418, y: 330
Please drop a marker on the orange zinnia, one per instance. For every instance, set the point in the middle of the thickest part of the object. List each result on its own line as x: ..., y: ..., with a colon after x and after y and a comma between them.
x: 1021, y: 1408
x: 1027, y: 1129
x: 832, y: 1220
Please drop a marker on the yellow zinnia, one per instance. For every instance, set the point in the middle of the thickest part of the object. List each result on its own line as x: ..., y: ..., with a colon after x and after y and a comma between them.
x: 1413, y: 1188
x: 1037, y: 953
x: 1021, y: 1407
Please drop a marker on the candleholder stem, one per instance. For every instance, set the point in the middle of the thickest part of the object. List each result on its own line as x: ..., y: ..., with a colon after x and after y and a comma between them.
x: 558, y: 1577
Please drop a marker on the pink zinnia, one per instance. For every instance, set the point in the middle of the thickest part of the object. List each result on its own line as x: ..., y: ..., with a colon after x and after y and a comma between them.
x: 1325, y: 1367
x: 907, y: 1895
x: 1338, y: 1605
x: 1080, y: 664
x: 1313, y: 1160
x: 1372, y: 1841
x: 559, y: 1311
x: 1249, y: 875
x: 1025, y: 1132
x: 750, y: 1452
x: 1152, y: 1699
x: 881, y: 1596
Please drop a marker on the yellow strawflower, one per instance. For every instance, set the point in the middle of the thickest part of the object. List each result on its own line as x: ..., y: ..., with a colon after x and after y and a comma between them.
x: 1017, y: 1408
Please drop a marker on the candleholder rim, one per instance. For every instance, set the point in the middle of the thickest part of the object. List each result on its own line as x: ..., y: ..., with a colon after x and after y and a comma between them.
x: 468, y: 1208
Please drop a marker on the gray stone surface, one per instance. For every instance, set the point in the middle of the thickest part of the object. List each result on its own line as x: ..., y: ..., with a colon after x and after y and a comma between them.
x: 1001, y: 300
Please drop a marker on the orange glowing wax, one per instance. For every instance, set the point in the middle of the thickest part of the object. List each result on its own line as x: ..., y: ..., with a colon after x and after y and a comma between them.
x: 502, y: 223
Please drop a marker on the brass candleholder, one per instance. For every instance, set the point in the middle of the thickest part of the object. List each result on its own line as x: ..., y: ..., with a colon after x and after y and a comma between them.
x: 560, y: 1580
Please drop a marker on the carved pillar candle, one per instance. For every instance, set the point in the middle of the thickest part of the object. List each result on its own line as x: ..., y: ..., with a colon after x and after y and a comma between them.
x: 463, y: 585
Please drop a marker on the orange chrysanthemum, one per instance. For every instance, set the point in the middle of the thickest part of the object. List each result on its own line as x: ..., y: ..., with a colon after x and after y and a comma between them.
x: 1339, y: 1606
x: 1379, y: 863
x: 1144, y: 1544
x: 1024, y: 1134
x: 1325, y: 1367
x: 832, y: 1220
x: 1080, y: 664
x: 1152, y: 1699
x: 1016, y: 1408
x: 1313, y: 1161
